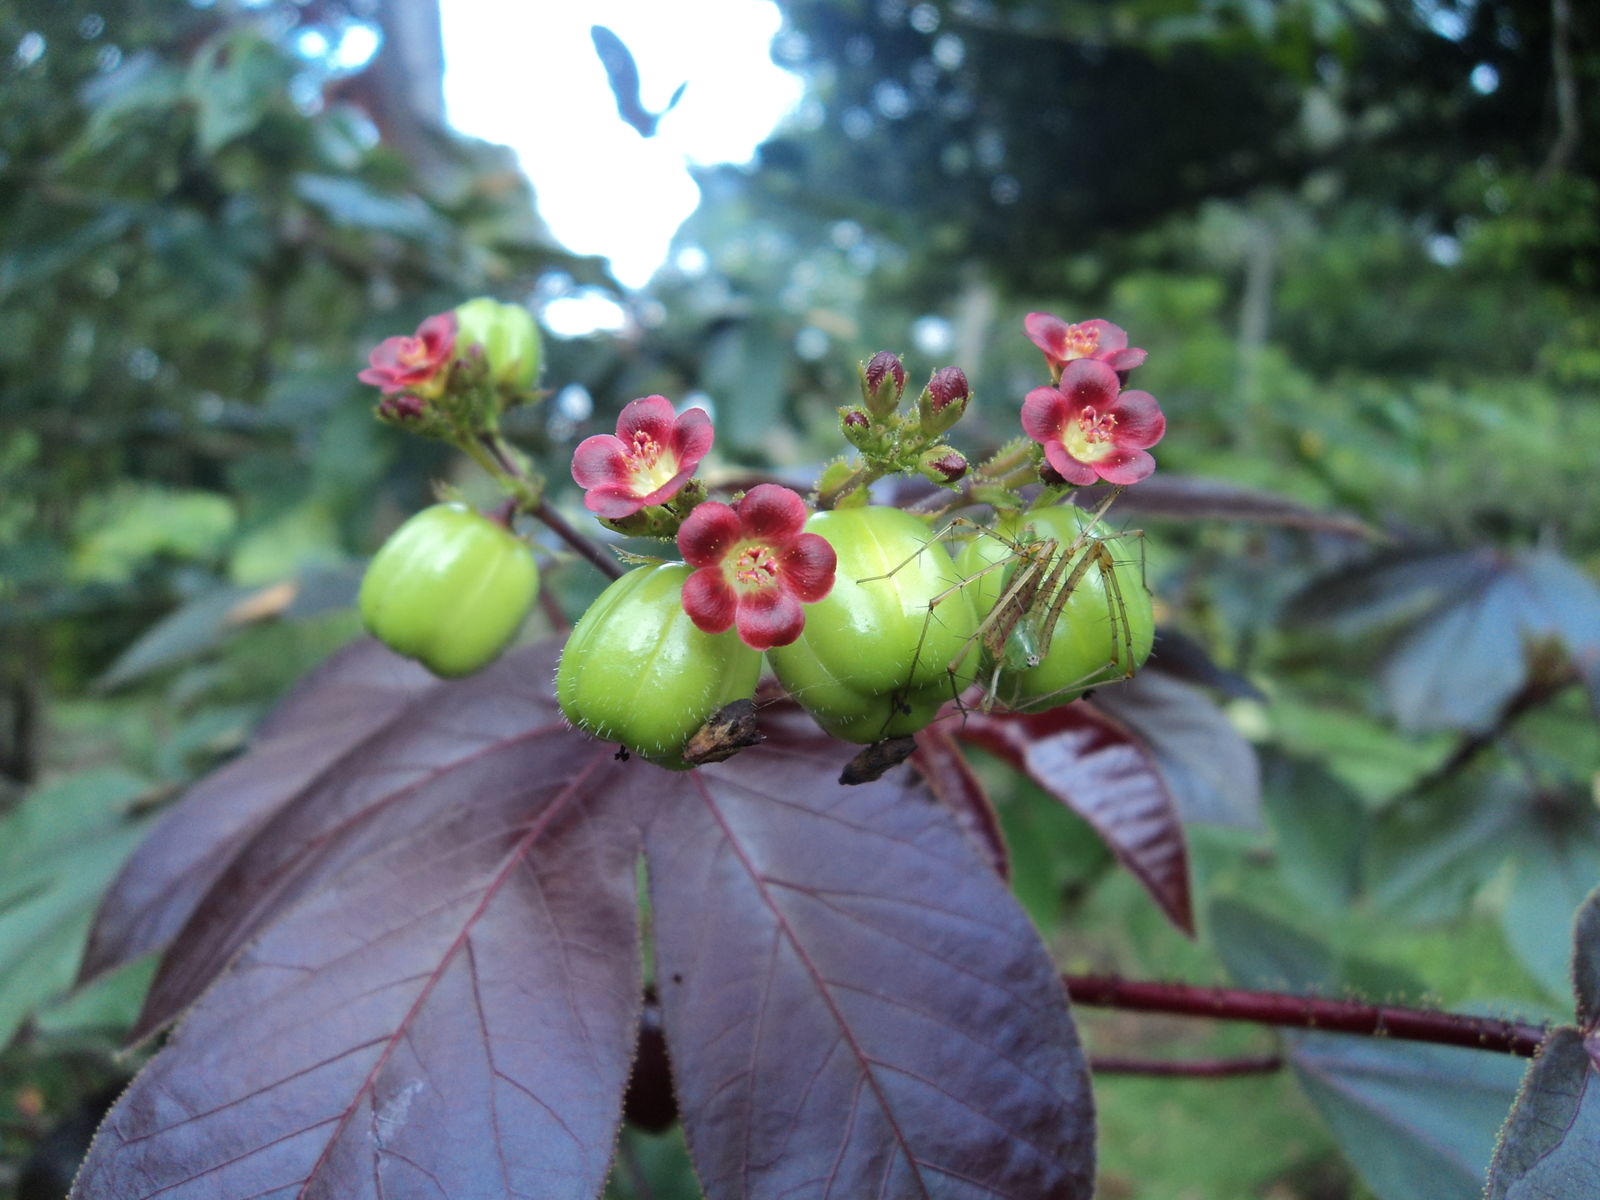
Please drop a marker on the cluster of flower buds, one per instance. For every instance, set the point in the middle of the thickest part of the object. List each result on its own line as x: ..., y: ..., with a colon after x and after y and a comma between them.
x: 894, y: 442
x: 459, y: 371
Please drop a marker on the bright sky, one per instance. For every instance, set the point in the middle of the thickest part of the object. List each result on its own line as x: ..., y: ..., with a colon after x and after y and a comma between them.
x: 526, y: 74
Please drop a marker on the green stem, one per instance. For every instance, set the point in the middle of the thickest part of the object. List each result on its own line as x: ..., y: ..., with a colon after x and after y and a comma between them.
x: 862, y: 476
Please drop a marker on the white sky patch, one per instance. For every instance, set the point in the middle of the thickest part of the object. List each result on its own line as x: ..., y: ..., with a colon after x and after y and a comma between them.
x: 527, y: 75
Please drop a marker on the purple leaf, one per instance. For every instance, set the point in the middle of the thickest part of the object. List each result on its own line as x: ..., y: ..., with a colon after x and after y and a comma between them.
x: 332, y: 710
x: 1105, y: 773
x: 1547, y: 1148
x: 438, y: 989
x: 855, y: 1005
x: 432, y: 757
x: 950, y: 778
x: 1190, y: 498
x: 1211, y: 771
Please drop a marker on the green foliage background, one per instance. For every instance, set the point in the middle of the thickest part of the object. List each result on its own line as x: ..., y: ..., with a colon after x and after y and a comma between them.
x: 1359, y: 238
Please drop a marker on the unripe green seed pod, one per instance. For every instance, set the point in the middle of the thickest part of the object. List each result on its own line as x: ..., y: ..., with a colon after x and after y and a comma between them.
x: 508, y: 337
x: 872, y: 662
x: 1105, y: 626
x: 636, y: 670
x: 450, y: 589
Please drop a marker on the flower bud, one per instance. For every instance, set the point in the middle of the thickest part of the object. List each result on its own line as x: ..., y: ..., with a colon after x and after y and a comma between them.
x: 883, y: 382
x: 944, y: 400
x: 942, y: 464
x: 506, y: 337
x: 404, y: 409
x: 857, y: 428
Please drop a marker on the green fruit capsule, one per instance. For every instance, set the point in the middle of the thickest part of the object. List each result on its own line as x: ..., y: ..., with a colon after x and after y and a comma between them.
x: 450, y: 589
x: 875, y: 661
x: 508, y: 337
x: 1105, y: 625
x: 636, y: 670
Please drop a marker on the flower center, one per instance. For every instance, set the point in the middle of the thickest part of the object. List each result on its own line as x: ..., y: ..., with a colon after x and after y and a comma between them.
x: 1081, y: 342
x: 413, y: 352
x: 647, y: 462
x: 1091, y: 435
x: 755, y: 567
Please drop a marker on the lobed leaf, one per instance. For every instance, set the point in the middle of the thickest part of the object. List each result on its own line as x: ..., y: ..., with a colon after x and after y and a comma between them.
x: 855, y: 1005
x: 429, y: 975
x: 330, y: 714
x: 951, y: 780
x: 1101, y: 770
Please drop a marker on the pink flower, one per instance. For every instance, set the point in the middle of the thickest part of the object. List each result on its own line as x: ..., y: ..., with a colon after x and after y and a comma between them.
x: 414, y: 364
x: 1088, y: 430
x: 648, y: 461
x: 1096, y: 339
x: 756, y: 566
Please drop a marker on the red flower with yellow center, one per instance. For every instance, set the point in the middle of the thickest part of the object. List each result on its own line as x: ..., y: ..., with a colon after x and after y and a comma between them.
x: 415, y: 364
x: 649, y: 460
x: 756, y: 566
x: 1089, y: 429
x: 1063, y: 343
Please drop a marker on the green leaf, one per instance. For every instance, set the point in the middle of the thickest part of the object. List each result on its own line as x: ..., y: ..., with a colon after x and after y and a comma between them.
x: 234, y: 82
x: 1547, y: 1149
x: 1321, y: 829
x: 1556, y: 865
x: 1262, y: 952
x: 1418, y: 1122
x: 351, y: 203
x: 122, y: 529
x: 61, y: 848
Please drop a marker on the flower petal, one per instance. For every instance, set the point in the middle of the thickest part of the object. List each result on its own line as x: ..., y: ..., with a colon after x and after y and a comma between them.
x: 1140, y: 422
x: 1108, y: 338
x: 1048, y: 332
x: 438, y: 334
x: 612, y: 501
x: 769, y: 617
x: 1044, y: 412
x: 600, y: 460
x: 671, y: 487
x: 649, y: 415
x: 705, y: 537
x: 709, y: 601
x: 1086, y: 381
x: 1125, y: 466
x: 807, y: 567
x: 1124, y: 360
x: 769, y: 511
x: 1068, y: 467
x: 692, y: 435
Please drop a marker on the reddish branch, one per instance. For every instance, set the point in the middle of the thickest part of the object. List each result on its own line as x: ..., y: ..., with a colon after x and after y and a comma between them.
x: 1193, y: 1068
x: 1308, y: 1012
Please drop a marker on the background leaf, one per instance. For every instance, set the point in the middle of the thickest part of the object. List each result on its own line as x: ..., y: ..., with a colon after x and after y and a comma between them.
x: 861, y: 1009
x: 1417, y: 1121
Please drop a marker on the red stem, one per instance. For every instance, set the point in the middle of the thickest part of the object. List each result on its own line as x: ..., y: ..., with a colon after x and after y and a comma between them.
x: 604, y: 563
x: 1194, y: 1068
x: 1308, y: 1012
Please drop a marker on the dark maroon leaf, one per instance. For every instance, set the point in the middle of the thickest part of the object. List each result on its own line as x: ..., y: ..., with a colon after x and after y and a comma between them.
x: 331, y: 711
x: 855, y: 1005
x: 432, y: 983
x: 434, y: 754
x: 1188, y: 498
x: 1106, y: 774
x: 949, y: 777
x: 1586, y: 962
x: 1390, y: 586
x: 1211, y: 771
